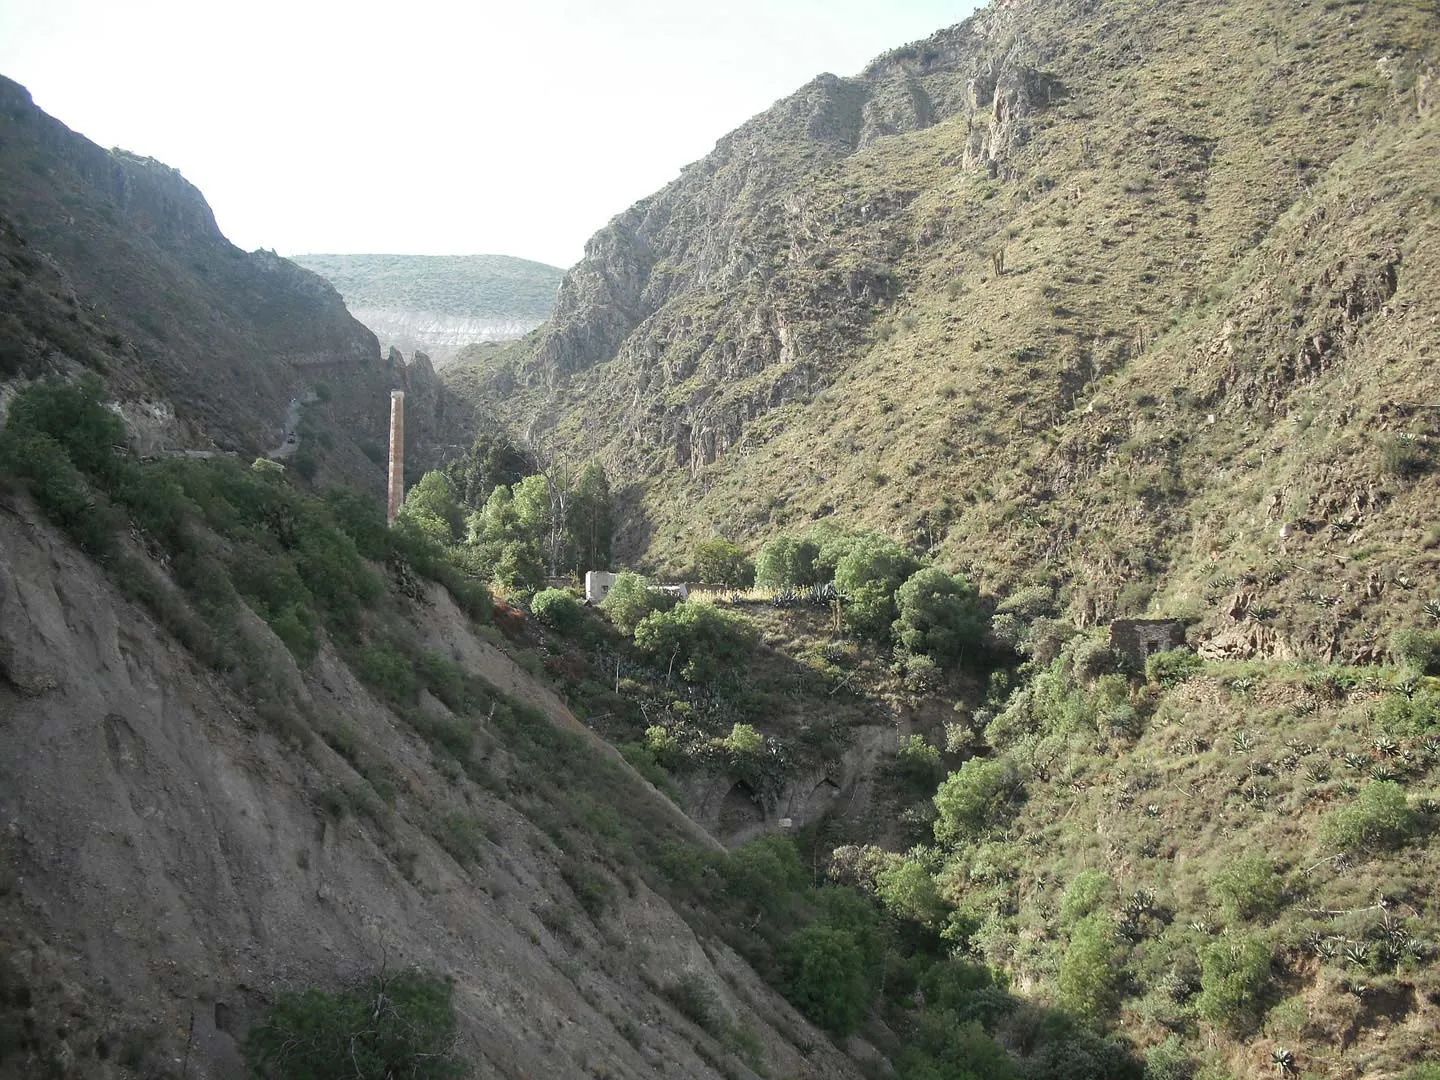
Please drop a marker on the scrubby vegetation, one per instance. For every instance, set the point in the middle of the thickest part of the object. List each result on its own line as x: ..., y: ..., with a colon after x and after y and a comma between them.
x: 383, y: 1028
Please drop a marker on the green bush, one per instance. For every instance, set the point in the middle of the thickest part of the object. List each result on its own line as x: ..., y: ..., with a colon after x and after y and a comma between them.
x: 824, y: 974
x: 972, y: 798
x: 1378, y: 818
x: 763, y: 873
x: 868, y: 576
x: 946, y: 1047
x: 1418, y: 650
x: 1089, y: 892
x: 908, y: 891
x: 699, y: 640
x: 1088, y: 985
x: 630, y: 599
x: 1247, y: 887
x: 75, y: 416
x: 58, y: 487
x: 1405, y: 457
x: 1169, y: 1061
x: 939, y: 615
x: 720, y: 562
x: 786, y: 562
x: 557, y: 609
x: 1414, y: 714
x: 1172, y: 667
x: 388, y: 1027
x: 1234, y: 976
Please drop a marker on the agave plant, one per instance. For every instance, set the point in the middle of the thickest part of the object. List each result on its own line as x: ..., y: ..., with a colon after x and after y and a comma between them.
x: 1355, y: 761
x: 1283, y: 1061
x: 1385, y: 746
x: 1382, y: 772
x: 1357, y: 953
x: 1317, y: 773
x: 1242, y: 742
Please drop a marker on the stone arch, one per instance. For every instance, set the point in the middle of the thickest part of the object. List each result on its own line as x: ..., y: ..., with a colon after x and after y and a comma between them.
x: 822, y: 798
x: 740, y: 809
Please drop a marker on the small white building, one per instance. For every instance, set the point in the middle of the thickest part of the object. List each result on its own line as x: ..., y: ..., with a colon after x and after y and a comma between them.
x: 597, y: 585
x: 599, y: 582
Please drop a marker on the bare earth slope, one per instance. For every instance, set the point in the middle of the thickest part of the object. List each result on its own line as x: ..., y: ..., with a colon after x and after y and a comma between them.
x: 1125, y: 297
x: 168, y: 866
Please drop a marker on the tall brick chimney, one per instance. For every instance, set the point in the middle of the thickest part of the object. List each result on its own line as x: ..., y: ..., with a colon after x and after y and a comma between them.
x: 397, y: 454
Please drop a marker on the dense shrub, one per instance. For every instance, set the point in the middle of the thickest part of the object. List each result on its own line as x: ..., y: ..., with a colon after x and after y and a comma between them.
x: 1172, y: 666
x: 1089, y: 892
x: 763, y: 873
x: 1418, y: 650
x: 557, y: 609
x: 1412, y: 714
x: 974, y: 797
x: 698, y: 640
x: 1247, y: 887
x: 386, y: 1028
x: 630, y: 599
x: 1089, y: 982
x: 824, y: 974
x: 1405, y: 457
x: 1234, y: 975
x: 868, y: 576
x: 939, y: 615
x: 720, y: 562
x: 908, y: 891
x: 946, y: 1047
x: 786, y: 562
x: 1378, y: 818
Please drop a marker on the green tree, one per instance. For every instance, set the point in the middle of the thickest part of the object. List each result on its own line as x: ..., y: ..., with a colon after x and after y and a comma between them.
x: 1234, y: 975
x: 1090, y: 891
x: 629, y: 600
x: 1378, y: 818
x: 1247, y: 887
x: 973, y: 797
x: 698, y: 640
x: 432, y: 506
x: 908, y: 891
x: 720, y: 562
x: 1088, y: 985
x: 557, y: 609
x: 786, y: 561
x: 387, y: 1028
x: 589, y: 521
x: 493, y: 460
x: 939, y: 615
x: 824, y: 974
x: 868, y: 576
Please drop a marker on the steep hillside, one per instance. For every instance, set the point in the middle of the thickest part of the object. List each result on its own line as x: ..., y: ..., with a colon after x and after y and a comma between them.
x: 1136, y: 299
x: 177, y: 850
x: 438, y: 304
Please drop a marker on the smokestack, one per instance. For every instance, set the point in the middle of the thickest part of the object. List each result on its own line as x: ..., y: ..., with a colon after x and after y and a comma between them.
x: 397, y: 454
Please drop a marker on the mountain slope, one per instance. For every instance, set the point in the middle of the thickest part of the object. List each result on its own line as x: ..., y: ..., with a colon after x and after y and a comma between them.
x: 438, y: 304
x: 1042, y: 295
x: 222, y: 777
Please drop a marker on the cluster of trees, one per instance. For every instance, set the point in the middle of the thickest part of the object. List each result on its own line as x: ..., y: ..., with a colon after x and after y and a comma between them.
x: 889, y: 594
x: 512, y: 520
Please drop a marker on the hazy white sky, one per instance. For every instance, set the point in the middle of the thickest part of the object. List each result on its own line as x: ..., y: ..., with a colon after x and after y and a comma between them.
x: 430, y: 127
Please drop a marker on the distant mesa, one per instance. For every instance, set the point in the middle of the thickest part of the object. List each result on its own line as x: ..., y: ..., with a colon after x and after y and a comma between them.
x: 438, y: 304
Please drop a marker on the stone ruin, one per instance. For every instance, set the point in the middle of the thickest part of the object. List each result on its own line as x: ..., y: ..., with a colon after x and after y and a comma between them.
x: 1137, y: 639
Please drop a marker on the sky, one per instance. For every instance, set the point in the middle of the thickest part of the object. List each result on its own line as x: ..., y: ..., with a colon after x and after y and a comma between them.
x: 428, y: 127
